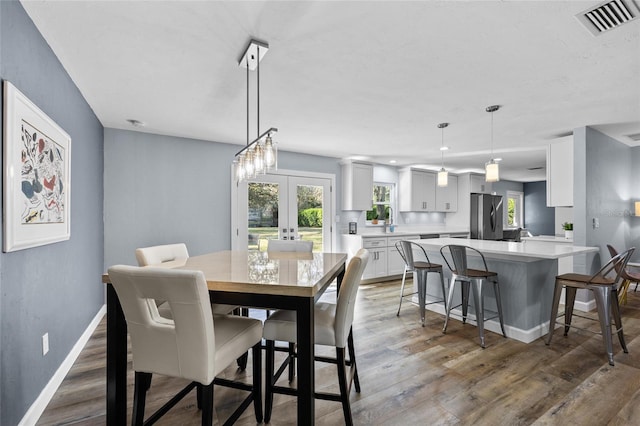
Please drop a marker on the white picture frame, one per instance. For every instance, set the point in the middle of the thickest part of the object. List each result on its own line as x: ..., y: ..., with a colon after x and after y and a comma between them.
x: 36, y: 175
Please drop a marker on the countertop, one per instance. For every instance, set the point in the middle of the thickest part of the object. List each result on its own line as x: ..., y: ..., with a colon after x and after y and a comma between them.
x: 379, y: 232
x: 511, y: 250
x: 548, y: 238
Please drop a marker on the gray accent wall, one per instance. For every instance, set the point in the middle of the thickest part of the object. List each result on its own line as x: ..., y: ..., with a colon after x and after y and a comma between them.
x: 538, y: 218
x: 54, y: 288
x: 604, y: 188
x: 166, y: 189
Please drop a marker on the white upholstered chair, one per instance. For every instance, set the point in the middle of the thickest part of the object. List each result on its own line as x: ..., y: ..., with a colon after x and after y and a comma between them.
x: 192, y: 344
x: 290, y: 245
x: 165, y: 254
x: 332, y: 328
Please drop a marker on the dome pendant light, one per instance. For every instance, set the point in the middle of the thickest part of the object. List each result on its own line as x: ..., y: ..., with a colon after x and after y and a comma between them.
x: 492, y: 170
x: 443, y: 175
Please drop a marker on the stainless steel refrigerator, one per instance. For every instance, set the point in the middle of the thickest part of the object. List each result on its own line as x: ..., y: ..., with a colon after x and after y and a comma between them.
x: 486, y: 216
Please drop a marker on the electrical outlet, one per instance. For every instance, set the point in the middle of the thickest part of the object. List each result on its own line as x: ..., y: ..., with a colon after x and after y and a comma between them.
x: 596, y: 223
x: 45, y: 343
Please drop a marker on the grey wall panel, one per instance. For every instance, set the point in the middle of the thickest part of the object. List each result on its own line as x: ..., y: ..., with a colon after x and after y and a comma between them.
x: 54, y: 288
x: 538, y: 218
x: 165, y: 189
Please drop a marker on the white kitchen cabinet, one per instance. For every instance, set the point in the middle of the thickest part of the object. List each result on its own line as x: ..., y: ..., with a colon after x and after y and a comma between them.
x: 384, y: 259
x: 417, y: 190
x: 357, y: 186
x: 447, y: 196
x: 480, y: 185
x: 560, y: 174
x: 377, y: 266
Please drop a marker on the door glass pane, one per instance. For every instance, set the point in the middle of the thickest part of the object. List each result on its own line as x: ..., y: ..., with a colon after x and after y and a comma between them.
x: 263, y: 214
x: 310, y: 214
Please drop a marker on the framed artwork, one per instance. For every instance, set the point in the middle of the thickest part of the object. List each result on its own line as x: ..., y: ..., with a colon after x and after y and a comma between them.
x: 36, y: 175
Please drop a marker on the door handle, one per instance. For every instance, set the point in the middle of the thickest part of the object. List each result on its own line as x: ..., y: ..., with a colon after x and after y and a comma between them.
x: 492, y: 216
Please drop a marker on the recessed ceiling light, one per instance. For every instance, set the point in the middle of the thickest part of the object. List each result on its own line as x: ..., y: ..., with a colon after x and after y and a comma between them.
x: 135, y: 123
x: 497, y: 159
x: 392, y: 161
x: 444, y: 148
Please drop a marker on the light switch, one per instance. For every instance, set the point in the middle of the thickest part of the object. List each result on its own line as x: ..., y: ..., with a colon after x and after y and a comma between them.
x: 596, y: 223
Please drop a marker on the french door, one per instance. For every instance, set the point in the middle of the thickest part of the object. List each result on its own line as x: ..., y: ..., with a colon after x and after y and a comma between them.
x: 286, y: 207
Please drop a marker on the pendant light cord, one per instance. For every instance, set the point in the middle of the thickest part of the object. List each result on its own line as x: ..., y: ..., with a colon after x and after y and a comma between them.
x: 247, y: 101
x: 258, y: 75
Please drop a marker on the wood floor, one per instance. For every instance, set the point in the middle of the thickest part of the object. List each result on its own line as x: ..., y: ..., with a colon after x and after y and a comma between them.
x: 415, y: 375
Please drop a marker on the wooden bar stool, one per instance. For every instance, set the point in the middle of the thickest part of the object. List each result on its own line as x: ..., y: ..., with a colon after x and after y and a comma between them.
x: 628, y: 276
x: 605, y: 292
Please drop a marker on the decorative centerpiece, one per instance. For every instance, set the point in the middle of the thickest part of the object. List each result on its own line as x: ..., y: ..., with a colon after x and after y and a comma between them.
x: 568, y: 230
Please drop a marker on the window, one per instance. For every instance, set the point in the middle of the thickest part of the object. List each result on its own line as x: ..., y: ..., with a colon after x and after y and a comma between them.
x: 514, y: 216
x: 382, y: 202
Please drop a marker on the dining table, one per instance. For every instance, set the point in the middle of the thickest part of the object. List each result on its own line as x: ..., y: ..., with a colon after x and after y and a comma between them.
x: 270, y: 280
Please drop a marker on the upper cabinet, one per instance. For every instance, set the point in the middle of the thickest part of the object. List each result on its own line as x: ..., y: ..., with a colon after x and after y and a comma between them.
x: 560, y: 174
x: 479, y: 185
x: 417, y: 190
x: 357, y: 186
x: 447, y: 196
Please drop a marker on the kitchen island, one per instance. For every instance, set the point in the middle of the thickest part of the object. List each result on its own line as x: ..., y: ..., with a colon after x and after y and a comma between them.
x: 526, y: 272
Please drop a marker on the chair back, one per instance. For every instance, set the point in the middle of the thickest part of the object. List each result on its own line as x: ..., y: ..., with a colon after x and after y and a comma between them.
x: 347, y: 296
x: 180, y: 347
x: 157, y: 255
x: 458, y: 255
x: 613, y: 252
x: 616, y: 264
x: 290, y: 246
x: 406, y: 249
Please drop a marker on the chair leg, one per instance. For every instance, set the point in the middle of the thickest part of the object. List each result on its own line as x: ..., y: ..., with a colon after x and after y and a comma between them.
x: 603, y: 304
x: 352, y: 359
x: 242, y: 360
x: 292, y: 361
x: 444, y: 291
x: 142, y: 383
x: 452, y: 283
x: 496, y: 290
x: 422, y: 291
x: 342, y: 380
x: 404, y: 277
x: 615, y: 309
x: 554, y: 311
x: 268, y: 384
x: 207, y: 404
x: 256, y: 353
x: 465, y: 300
x: 478, y: 300
x: 570, y: 300
x: 624, y: 288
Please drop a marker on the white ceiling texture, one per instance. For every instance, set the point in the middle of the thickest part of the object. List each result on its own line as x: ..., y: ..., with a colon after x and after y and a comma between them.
x: 356, y: 79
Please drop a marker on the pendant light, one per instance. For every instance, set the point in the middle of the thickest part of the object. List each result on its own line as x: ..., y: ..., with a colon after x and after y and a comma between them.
x: 260, y: 155
x: 443, y: 175
x: 492, y: 170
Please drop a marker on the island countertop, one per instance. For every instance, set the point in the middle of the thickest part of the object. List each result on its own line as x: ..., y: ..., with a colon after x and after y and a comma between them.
x: 524, y: 251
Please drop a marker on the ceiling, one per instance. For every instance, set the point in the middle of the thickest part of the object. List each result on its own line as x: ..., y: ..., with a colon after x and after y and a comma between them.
x: 356, y: 79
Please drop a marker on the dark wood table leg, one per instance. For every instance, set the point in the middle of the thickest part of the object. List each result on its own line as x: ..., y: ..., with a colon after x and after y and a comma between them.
x: 116, y: 361
x: 306, y: 352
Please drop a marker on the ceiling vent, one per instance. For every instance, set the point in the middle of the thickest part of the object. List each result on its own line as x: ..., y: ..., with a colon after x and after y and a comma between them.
x: 634, y: 137
x: 608, y: 15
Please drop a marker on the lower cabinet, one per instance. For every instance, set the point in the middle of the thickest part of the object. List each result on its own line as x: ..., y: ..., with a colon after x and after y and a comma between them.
x: 384, y: 259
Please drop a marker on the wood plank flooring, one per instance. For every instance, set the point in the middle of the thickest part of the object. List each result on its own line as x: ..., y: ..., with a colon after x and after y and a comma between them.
x: 415, y: 375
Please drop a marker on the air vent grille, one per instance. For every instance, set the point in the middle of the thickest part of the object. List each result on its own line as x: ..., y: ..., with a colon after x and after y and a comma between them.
x: 608, y: 15
x: 634, y: 137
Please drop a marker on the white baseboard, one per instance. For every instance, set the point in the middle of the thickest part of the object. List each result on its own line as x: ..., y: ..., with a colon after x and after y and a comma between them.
x: 39, y: 405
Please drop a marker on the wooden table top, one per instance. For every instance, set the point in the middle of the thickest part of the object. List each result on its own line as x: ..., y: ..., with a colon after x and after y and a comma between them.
x: 276, y: 273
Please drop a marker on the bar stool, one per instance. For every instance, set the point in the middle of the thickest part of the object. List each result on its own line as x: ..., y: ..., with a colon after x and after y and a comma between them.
x: 466, y: 276
x: 421, y: 268
x: 605, y: 292
x: 628, y: 277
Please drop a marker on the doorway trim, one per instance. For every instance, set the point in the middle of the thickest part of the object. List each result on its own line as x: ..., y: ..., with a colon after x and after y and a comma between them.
x: 235, y: 225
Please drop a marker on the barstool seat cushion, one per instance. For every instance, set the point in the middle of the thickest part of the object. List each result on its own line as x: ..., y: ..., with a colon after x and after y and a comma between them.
x: 587, y: 279
x: 233, y: 334
x: 281, y: 325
